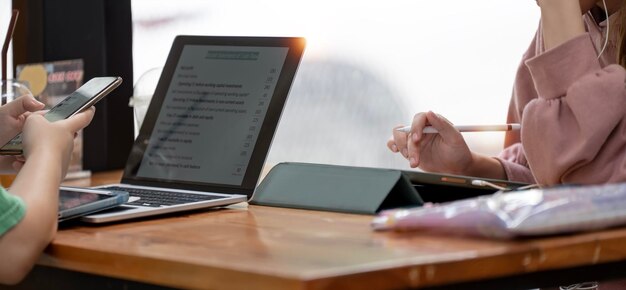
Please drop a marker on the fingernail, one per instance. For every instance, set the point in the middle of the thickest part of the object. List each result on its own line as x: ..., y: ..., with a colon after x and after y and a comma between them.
x: 413, y: 162
x: 405, y: 153
x: 37, y: 102
x: 416, y: 137
x: 394, y: 148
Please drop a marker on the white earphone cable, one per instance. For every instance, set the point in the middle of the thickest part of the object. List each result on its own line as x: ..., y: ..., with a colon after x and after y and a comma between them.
x: 606, y: 37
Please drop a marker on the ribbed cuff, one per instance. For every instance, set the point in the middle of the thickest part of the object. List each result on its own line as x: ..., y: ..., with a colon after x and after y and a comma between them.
x: 516, y: 172
x: 555, y: 70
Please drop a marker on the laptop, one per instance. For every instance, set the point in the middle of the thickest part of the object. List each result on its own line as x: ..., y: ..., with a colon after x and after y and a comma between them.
x: 209, y: 125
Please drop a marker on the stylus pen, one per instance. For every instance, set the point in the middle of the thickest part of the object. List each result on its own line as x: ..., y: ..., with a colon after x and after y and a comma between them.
x: 469, y: 128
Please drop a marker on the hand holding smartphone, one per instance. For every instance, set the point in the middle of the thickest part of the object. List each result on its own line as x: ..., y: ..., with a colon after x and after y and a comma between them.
x: 84, y: 97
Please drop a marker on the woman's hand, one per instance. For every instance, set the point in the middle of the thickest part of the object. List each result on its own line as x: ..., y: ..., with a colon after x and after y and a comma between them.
x: 444, y: 152
x: 12, y: 118
x: 13, y: 115
x: 43, y: 140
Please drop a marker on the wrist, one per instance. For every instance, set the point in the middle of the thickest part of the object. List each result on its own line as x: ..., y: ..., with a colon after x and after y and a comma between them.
x: 47, y: 159
x: 485, y: 166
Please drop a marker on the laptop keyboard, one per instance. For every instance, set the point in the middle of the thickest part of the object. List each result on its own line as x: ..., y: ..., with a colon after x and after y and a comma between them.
x: 158, y: 198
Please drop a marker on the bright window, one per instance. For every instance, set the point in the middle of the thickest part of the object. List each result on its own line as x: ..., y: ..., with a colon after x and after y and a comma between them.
x: 369, y: 65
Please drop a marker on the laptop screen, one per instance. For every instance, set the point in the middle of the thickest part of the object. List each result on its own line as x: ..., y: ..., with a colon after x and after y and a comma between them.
x: 214, y: 112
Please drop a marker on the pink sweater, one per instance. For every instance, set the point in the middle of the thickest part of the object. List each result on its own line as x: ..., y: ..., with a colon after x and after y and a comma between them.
x: 572, y: 107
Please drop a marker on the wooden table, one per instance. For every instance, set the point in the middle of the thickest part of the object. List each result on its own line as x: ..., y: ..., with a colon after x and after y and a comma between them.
x: 256, y: 247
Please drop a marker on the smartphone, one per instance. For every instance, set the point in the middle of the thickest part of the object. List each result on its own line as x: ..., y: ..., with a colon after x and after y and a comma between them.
x: 84, y: 97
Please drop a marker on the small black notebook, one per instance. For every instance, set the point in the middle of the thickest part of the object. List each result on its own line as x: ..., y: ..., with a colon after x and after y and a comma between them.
x: 362, y: 190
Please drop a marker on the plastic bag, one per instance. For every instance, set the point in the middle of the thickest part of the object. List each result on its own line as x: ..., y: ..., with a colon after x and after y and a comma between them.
x: 519, y: 213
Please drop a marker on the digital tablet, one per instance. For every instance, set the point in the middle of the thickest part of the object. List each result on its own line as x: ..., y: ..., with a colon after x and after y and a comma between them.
x: 76, y: 201
x: 437, y: 187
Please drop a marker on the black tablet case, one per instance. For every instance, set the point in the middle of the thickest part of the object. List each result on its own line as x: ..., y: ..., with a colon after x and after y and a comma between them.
x: 351, y: 189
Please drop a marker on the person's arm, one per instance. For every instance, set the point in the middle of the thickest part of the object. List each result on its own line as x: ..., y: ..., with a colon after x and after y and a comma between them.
x: 575, y: 131
x: 47, y: 150
x: 571, y: 131
x: 513, y: 157
x: 37, y: 184
x: 561, y: 21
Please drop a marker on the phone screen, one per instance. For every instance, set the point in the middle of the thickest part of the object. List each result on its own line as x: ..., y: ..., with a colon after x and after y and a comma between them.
x: 81, y: 99
x: 84, y: 97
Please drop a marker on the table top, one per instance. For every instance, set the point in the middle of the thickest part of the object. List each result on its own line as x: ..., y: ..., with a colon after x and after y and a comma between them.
x: 278, y: 248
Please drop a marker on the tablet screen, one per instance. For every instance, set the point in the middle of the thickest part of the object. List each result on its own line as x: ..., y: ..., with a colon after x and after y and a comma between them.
x: 214, y: 112
x: 71, y: 199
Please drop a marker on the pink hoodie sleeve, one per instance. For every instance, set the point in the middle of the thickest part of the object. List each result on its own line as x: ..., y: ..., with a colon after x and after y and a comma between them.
x: 515, y: 165
x: 575, y: 131
x: 513, y: 158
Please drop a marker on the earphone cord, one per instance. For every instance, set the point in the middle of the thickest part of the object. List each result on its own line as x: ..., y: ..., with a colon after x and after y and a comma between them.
x: 606, y: 38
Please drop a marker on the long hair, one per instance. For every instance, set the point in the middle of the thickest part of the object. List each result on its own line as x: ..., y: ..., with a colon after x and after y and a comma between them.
x: 621, y: 40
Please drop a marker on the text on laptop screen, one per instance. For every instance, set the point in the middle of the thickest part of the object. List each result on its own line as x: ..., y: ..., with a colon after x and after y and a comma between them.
x: 215, y: 104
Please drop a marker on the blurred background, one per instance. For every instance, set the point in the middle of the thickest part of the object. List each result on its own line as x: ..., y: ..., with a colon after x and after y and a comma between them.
x: 368, y: 66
